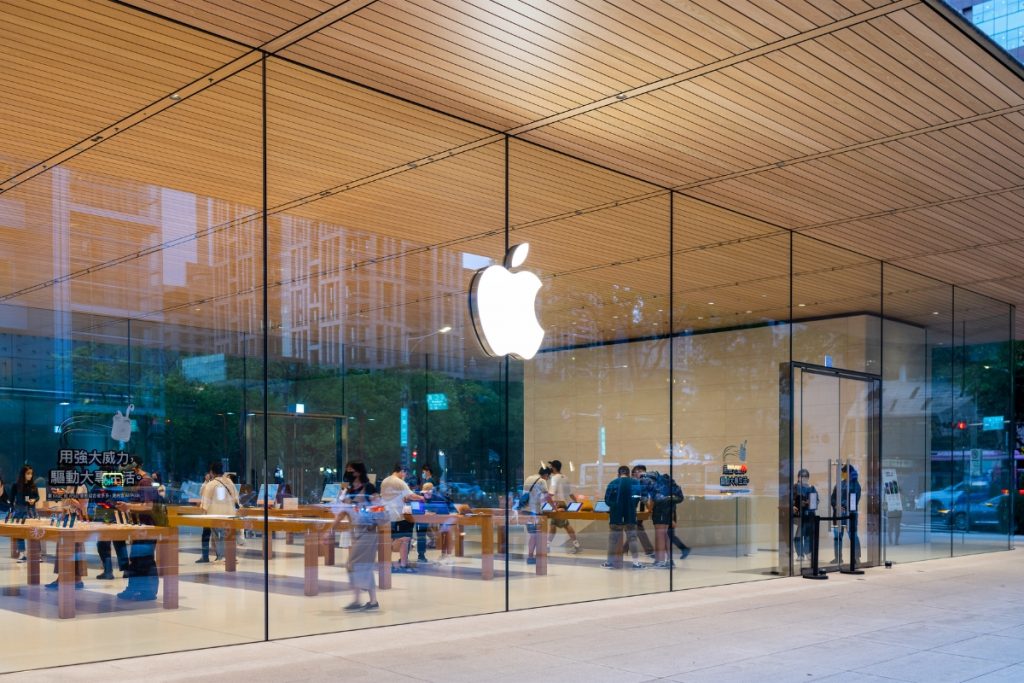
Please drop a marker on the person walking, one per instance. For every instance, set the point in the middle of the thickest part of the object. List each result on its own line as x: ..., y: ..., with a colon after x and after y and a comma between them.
x: 355, y: 504
x: 536, y: 488
x: 23, y: 496
x: 561, y: 493
x: 217, y: 497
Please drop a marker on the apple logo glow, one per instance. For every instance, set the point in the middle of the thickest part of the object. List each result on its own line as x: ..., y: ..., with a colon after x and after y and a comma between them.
x: 502, y: 307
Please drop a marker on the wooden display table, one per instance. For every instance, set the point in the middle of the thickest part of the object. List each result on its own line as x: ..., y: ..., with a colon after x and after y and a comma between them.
x: 450, y: 523
x: 35, y: 531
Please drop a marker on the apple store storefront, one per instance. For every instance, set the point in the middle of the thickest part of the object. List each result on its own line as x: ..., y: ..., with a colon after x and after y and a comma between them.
x: 286, y: 355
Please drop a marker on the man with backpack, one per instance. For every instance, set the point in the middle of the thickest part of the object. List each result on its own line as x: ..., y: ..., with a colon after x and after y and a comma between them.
x: 646, y: 486
x: 622, y: 497
x: 667, y: 495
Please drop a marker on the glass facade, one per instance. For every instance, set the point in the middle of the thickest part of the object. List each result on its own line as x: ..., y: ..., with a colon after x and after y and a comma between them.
x: 282, y: 298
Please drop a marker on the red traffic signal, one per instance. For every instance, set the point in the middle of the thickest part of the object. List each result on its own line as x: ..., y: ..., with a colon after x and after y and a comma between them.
x: 961, y: 424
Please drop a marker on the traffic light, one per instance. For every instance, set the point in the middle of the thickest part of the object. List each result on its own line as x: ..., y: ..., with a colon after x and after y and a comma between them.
x: 415, y: 455
x: 961, y: 425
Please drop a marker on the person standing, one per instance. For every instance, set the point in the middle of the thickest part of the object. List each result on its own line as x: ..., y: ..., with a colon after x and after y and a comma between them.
x: 24, y: 496
x: 621, y: 496
x: 666, y: 497
x: 805, y: 506
x: 143, y: 578
x: 67, y: 502
x: 395, y: 493
x: 639, y: 473
x: 218, y: 497
x: 561, y: 493
x: 426, y: 536
x: 848, y: 492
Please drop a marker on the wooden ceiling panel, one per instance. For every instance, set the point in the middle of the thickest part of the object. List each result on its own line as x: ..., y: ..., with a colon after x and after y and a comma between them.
x: 74, y: 67
x: 241, y: 20
x: 324, y: 133
x: 970, y: 265
x: 545, y: 184
x: 896, y: 136
x: 510, y: 64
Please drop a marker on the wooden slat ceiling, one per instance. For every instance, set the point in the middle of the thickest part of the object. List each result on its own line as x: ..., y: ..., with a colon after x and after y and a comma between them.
x: 879, y: 126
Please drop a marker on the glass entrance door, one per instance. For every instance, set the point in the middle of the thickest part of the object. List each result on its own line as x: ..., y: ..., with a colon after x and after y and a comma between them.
x: 835, y: 453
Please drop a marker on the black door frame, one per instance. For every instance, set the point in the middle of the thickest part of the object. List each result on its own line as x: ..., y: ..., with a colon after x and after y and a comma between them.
x: 872, y: 515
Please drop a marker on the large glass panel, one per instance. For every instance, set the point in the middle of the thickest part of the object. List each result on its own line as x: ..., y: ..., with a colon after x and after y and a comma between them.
x: 836, y: 305
x: 374, y: 362
x: 730, y: 343
x: 917, y: 414
x: 136, y: 260
x: 980, y: 459
x: 596, y: 396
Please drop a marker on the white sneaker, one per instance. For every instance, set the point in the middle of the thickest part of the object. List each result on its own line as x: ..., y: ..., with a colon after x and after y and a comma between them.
x: 575, y: 547
x: 22, y: 558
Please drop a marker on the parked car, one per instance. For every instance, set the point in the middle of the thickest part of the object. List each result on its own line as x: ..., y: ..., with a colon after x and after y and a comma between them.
x: 944, y: 498
x: 967, y: 512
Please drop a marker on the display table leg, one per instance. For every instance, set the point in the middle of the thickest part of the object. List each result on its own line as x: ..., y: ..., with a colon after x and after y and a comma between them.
x: 542, y: 546
x: 230, y: 550
x: 167, y: 561
x: 65, y: 578
x: 384, y: 555
x: 32, y: 551
x: 311, y: 561
x: 329, y: 545
x: 487, y: 548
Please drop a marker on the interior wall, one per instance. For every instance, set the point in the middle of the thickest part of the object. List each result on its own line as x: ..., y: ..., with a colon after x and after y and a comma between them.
x: 726, y: 395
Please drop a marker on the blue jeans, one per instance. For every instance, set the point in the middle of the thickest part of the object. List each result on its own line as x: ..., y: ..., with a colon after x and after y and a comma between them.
x: 142, y: 572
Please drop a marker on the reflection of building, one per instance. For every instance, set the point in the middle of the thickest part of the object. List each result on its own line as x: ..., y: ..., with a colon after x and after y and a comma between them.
x: 336, y: 294
x: 1000, y: 20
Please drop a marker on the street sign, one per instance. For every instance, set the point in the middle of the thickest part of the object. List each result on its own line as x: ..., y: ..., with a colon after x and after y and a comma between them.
x: 437, y: 402
x: 403, y: 429
x: 992, y: 423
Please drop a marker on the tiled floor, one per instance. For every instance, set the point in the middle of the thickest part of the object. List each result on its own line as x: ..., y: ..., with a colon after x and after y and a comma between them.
x: 942, y: 620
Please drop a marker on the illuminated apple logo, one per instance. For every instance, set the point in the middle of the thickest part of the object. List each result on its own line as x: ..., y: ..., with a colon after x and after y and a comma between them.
x: 502, y: 306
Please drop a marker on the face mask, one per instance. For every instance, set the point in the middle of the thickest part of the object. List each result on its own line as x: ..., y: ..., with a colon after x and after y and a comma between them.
x: 350, y: 477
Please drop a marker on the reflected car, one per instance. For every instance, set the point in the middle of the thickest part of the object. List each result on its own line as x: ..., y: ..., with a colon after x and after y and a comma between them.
x: 967, y: 513
x: 944, y: 498
x: 458, y: 489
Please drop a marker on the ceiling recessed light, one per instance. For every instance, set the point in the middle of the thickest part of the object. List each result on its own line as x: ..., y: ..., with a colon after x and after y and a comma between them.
x: 65, y: 403
x: 749, y: 311
x: 935, y: 312
x: 175, y: 97
x: 801, y: 305
x: 711, y: 303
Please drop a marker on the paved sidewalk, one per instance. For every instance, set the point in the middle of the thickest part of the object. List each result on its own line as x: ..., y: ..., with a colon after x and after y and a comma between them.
x: 944, y: 620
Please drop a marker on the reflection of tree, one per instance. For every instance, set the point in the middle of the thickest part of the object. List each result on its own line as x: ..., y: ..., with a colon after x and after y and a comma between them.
x: 184, y: 423
x: 980, y: 377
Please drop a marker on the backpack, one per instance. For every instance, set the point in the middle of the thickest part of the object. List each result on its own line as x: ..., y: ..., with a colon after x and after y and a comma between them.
x: 666, y: 489
x: 524, y: 497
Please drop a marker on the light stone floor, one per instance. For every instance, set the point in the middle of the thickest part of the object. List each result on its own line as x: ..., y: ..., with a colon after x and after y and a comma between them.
x: 959, y: 619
